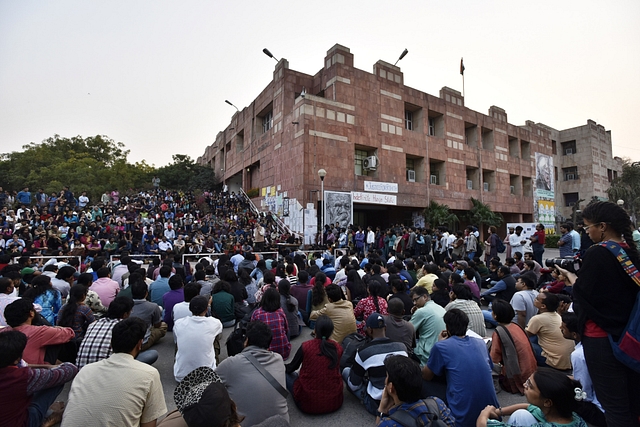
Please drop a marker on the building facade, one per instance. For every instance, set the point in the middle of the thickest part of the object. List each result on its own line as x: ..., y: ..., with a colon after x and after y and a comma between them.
x: 391, y: 147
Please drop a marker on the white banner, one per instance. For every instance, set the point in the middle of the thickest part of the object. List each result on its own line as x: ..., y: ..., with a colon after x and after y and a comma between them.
x: 381, y: 187
x: 377, y: 199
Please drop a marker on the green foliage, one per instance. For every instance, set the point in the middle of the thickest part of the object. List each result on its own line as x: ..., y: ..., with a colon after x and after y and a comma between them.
x: 253, y: 192
x: 627, y: 187
x: 481, y: 213
x: 93, y: 164
x: 184, y: 173
x: 551, y: 241
x: 437, y: 214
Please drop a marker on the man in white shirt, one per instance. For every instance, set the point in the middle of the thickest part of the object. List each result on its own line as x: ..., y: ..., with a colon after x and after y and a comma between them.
x: 195, y: 336
x: 83, y: 200
x: 164, y: 245
x: 517, y: 241
x: 371, y: 238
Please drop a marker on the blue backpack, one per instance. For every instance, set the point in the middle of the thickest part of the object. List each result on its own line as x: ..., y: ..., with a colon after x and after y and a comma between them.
x: 627, y: 348
x: 499, y: 244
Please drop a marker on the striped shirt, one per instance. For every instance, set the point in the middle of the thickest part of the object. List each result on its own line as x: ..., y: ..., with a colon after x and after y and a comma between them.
x: 96, y: 344
x: 370, y: 360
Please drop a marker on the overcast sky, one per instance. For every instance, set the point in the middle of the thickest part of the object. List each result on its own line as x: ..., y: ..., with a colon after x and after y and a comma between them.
x: 154, y: 74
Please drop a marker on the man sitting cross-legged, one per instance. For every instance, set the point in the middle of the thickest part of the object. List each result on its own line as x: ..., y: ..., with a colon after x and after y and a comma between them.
x: 28, y: 391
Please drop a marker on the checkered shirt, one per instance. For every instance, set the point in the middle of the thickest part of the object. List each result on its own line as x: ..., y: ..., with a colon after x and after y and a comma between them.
x: 96, y: 344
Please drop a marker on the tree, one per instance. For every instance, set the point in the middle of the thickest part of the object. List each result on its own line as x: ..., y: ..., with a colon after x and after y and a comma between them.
x: 184, y: 173
x: 626, y: 187
x: 437, y: 214
x: 481, y: 214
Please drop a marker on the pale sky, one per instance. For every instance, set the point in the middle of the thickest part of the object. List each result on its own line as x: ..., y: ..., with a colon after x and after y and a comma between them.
x: 154, y: 74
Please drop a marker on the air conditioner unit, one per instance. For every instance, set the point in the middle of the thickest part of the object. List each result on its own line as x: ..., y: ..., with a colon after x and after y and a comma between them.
x: 411, y: 175
x: 469, y: 184
x: 568, y: 151
x: 569, y: 177
x: 370, y: 163
x: 512, y: 189
x: 434, y: 179
x: 485, y: 186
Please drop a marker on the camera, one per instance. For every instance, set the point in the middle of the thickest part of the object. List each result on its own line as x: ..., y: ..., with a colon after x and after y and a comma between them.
x: 571, y: 264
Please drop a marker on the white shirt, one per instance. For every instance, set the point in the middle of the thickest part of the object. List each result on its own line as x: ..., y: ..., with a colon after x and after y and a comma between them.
x: 516, y: 246
x: 195, y: 336
x: 82, y: 201
x: 164, y: 246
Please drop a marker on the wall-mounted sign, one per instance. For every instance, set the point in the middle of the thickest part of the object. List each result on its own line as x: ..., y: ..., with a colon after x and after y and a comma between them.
x: 381, y: 187
x: 377, y: 199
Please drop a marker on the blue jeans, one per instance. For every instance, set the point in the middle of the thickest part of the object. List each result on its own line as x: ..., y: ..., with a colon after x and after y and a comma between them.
x: 149, y: 357
x: 290, y: 380
x: 369, y: 402
x: 488, y: 317
x: 537, y: 351
x: 40, y: 403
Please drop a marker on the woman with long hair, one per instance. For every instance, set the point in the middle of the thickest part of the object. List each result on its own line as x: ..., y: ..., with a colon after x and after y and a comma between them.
x: 289, y: 305
x: 41, y: 292
x: 317, y: 389
x: 604, y: 296
x: 356, y: 290
x: 75, y: 313
x: 318, y: 294
x: 270, y: 313
x: 552, y: 399
x: 373, y: 303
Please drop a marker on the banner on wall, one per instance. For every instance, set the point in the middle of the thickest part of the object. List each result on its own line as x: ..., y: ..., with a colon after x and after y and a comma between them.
x: 338, y: 208
x: 544, y: 206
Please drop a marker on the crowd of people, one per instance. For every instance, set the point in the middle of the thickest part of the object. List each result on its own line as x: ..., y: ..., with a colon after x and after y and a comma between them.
x: 418, y: 324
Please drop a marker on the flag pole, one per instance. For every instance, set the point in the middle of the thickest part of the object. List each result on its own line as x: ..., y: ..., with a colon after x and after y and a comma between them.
x: 462, y: 73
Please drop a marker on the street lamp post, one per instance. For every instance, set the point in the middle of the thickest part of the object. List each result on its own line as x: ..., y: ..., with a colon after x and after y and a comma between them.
x: 322, y: 173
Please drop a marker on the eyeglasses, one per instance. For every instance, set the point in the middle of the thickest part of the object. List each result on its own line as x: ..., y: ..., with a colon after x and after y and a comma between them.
x: 417, y: 298
x: 586, y: 227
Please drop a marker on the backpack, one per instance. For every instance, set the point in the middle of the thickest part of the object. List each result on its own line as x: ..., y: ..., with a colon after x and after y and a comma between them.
x: 627, y: 348
x: 499, y: 245
x: 433, y: 413
x: 350, y: 346
x: 235, y: 341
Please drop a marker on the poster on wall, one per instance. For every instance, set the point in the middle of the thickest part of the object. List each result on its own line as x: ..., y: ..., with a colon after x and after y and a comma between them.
x: 338, y: 208
x: 544, y: 206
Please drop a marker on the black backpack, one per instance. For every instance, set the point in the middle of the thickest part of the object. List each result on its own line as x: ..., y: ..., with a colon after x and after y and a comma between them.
x: 350, y: 346
x: 406, y: 420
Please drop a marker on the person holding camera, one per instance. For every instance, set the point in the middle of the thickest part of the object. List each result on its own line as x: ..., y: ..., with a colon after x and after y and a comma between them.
x: 604, y: 297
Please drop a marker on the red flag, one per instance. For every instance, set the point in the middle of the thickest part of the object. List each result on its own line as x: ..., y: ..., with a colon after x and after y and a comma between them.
x: 461, y: 67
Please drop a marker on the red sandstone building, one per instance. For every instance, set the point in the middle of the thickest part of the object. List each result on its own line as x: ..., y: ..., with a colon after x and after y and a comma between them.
x: 393, y: 147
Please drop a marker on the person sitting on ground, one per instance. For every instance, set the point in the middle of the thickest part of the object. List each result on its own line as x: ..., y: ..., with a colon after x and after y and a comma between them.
x: 356, y: 289
x: 223, y: 304
x: 552, y: 399
x: 440, y: 294
x: 46, y: 343
x: 398, y: 329
x: 559, y: 284
x: 301, y: 291
x: 465, y: 363
x: 96, y: 344
x: 75, y: 313
x: 340, y: 311
x: 93, y: 299
x: 402, y: 392
x: 42, y: 293
x: 130, y: 392
x: 549, y: 346
x: 374, y: 303
x: 369, y: 362
x: 504, y: 288
x: 462, y: 298
x: 180, y: 310
x: 429, y: 276
x: 317, y: 389
x: 510, y: 348
x: 399, y: 291
x: 195, y: 336
x: 590, y: 409
x: 171, y: 298
x: 318, y: 294
x: 271, y: 314
x: 106, y: 288
x: 244, y: 381
x: 427, y: 319
x: 160, y: 286
x: 290, y: 307
x: 149, y: 312
x: 28, y: 392
x: 523, y: 301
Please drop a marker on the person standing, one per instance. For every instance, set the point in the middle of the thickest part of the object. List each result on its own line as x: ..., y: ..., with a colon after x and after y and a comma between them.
x: 517, y: 241
x: 537, y: 243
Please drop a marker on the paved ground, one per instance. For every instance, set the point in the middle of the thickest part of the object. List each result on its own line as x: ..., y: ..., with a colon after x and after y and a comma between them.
x: 352, y: 412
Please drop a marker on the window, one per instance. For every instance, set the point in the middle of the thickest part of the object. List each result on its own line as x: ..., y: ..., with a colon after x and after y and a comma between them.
x: 471, y: 134
x: 473, y: 178
x: 514, y: 146
x: 487, y: 138
x: 408, y: 120
x: 527, y: 186
x: 609, y: 175
x: 437, y: 172
x: 412, y: 117
x: 411, y: 170
x: 488, y: 180
x: 555, y: 173
x: 554, y: 147
x: 525, y: 149
x: 267, y: 121
x: 571, y: 199
x: 514, y: 185
x: 568, y: 148
x: 240, y: 141
x: 570, y: 174
x: 365, y: 157
x: 436, y: 124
